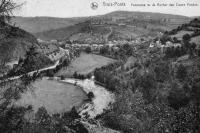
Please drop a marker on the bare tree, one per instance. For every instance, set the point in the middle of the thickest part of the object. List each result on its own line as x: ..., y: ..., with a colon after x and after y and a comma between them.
x: 6, y: 9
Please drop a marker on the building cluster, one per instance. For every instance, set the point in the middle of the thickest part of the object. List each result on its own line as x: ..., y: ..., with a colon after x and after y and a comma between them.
x: 94, y: 47
x: 163, y: 47
x: 65, y: 48
x: 167, y: 44
x: 112, y: 20
x: 58, y: 54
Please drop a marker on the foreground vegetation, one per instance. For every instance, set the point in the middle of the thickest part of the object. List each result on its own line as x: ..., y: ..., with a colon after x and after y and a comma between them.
x: 155, y: 93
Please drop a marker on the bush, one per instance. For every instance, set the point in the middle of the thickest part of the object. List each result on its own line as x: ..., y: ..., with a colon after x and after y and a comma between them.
x: 147, y: 83
x: 90, y: 95
x: 181, y: 72
x: 62, y: 77
x: 50, y: 73
x: 88, y: 50
x: 177, y: 96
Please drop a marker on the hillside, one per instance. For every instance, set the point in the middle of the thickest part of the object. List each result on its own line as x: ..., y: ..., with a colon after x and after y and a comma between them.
x: 40, y: 24
x: 125, y: 25
x: 153, y: 15
x: 14, y: 42
x: 191, y: 29
x: 61, y: 33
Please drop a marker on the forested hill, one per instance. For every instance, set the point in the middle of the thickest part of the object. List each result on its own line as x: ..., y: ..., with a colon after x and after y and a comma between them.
x: 156, y: 91
x: 14, y: 42
x: 135, y: 25
x: 191, y: 29
x: 41, y: 24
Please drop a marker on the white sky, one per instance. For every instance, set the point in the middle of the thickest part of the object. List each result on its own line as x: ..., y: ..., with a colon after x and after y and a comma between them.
x: 76, y: 8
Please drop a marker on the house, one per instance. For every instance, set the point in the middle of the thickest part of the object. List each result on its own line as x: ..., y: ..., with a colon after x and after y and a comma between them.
x: 118, y: 19
x: 94, y: 47
x: 67, y: 46
x: 54, y: 41
x: 115, y: 49
x: 101, y: 45
x: 169, y: 44
x: 158, y: 43
x: 152, y: 45
x: 110, y: 45
x: 177, y: 45
x: 122, y: 24
x: 83, y: 46
x: 56, y: 55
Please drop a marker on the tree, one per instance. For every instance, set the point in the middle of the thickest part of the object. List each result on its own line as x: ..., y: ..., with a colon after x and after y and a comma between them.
x: 175, y: 40
x: 62, y: 77
x: 90, y: 95
x: 186, y: 37
x: 165, y: 38
x: 6, y: 10
x: 20, y: 60
x: 50, y: 73
x: 177, y: 96
x: 75, y: 75
x: 181, y: 72
x: 104, y: 50
x: 88, y: 50
x: 147, y: 84
x: 186, y: 40
x: 31, y: 60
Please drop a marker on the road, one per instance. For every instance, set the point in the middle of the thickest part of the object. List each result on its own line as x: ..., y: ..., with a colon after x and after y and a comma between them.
x: 31, y: 73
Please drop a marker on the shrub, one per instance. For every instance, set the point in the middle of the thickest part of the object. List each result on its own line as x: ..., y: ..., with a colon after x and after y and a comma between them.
x: 181, y: 72
x: 88, y: 50
x: 62, y: 77
x: 177, y: 96
x: 90, y: 95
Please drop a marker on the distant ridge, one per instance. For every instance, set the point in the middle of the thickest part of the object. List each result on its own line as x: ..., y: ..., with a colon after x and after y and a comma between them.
x: 154, y: 15
x: 141, y: 17
x: 40, y: 24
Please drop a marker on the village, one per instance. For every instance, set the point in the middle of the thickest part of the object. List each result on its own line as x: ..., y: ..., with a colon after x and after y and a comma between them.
x: 56, y: 50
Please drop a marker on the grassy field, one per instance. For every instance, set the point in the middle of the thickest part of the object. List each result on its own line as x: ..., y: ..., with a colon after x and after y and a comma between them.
x: 85, y: 64
x: 196, y: 40
x: 56, y: 97
x: 180, y: 34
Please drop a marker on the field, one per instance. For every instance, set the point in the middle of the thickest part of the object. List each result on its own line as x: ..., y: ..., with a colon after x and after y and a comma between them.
x: 56, y: 97
x: 196, y: 40
x: 85, y: 64
x: 180, y: 34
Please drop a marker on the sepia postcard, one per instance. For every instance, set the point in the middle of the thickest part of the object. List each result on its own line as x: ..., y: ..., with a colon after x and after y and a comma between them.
x: 99, y: 66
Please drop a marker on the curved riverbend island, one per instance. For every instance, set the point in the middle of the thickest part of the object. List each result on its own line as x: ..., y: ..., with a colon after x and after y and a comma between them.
x: 59, y: 96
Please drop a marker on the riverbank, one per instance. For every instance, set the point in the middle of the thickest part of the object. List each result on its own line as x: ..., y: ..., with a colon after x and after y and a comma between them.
x: 101, y: 101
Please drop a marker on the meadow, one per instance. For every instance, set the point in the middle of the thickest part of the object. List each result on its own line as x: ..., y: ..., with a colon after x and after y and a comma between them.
x: 85, y: 64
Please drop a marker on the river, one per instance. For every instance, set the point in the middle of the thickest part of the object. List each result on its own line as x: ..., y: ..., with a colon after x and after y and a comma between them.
x: 59, y: 96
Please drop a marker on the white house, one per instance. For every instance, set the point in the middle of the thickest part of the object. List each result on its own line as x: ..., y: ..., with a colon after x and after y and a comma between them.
x: 177, y: 45
x: 169, y: 44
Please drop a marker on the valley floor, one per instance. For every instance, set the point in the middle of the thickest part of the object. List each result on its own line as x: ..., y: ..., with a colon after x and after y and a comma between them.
x: 85, y: 64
